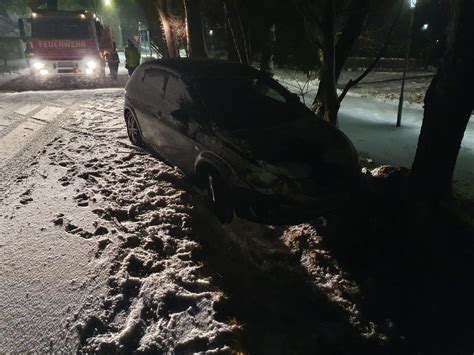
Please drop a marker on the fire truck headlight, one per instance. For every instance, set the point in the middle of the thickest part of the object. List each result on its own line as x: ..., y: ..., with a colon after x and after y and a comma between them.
x: 91, y: 64
x: 89, y: 71
x: 44, y: 72
x: 38, y: 65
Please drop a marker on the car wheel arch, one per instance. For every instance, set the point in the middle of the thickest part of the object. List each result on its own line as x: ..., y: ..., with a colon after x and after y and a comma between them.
x: 209, y: 162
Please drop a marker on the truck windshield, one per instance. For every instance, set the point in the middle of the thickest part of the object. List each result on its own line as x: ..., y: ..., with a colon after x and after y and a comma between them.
x: 50, y: 28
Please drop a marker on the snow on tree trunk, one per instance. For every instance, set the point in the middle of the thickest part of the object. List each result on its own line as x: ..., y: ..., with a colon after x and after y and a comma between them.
x: 194, y: 29
x: 448, y: 107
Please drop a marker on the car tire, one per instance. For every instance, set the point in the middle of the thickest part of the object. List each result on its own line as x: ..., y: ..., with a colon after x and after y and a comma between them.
x: 133, y: 130
x: 219, y: 197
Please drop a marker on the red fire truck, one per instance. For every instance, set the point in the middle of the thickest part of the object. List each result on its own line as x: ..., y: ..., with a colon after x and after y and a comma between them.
x: 66, y: 43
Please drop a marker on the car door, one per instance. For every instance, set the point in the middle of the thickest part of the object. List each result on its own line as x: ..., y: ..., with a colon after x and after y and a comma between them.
x: 177, y: 125
x: 154, y: 83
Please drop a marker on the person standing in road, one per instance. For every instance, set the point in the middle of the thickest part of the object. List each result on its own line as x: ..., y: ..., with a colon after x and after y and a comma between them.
x: 113, y: 62
x: 132, y: 57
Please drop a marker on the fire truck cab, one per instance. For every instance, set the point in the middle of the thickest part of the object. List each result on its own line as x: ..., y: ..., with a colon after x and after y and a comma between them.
x: 66, y: 43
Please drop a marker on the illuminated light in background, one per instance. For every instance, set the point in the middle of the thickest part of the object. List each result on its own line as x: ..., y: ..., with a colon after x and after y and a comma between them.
x: 107, y: 2
x: 34, y: 15
x: 91, y: 64
x: 43, y: 72
x: 83, y: 16
x: 412, y: 4
x: 424, y: 27
x: 38, y: 65
x: 89, y: 71
x: 211, y: 32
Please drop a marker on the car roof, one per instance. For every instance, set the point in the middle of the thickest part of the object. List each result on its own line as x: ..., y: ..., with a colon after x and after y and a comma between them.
x: 203, y: 67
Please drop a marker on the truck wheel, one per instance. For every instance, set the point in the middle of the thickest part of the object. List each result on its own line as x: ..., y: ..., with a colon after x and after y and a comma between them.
x: 133, y: 130
x: 219, y: 197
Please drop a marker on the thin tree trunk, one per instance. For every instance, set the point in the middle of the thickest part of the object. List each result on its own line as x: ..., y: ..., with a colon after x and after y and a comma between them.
x: 154, y: 26
x: 448, y: 107
x: 350, y: 33
x: 266, y: 63
x: 235, y: 52
x: 237, y: 32
x: 163, y: 11
x: 243, y: 35
x: 194, y: 29
x: 326, y: 103
x: 231, y: 45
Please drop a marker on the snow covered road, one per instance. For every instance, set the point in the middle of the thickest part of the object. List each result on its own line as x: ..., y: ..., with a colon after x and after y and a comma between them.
x: 371, y: 127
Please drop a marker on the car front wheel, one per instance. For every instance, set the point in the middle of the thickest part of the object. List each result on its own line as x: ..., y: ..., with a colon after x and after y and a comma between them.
x: 133, y: 129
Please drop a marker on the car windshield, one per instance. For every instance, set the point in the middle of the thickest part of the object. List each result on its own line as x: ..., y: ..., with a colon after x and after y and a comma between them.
x: 244, y: 102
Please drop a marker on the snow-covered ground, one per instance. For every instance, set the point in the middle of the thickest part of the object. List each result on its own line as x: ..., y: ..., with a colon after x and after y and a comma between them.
x: 106, y: 248
x: 379, y: 86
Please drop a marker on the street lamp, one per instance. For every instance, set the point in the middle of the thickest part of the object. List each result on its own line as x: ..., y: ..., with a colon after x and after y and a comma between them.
x: 211, y: 34
x: 407, y: 57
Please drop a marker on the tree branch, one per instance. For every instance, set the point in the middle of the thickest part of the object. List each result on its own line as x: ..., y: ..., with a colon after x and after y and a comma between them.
x: 351, y: 82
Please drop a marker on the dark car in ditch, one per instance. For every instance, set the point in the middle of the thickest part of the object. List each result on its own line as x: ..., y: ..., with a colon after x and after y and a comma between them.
x: 249, y: 144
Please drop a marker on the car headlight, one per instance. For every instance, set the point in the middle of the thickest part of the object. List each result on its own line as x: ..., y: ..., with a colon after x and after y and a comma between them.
x: 91, y: 64
x: 44, y: 72
x: 89, y: 71
x: 38, y: 65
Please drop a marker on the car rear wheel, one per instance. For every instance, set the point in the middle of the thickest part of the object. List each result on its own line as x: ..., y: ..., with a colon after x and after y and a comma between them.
x: 219, y: 197
x: 133, y: 130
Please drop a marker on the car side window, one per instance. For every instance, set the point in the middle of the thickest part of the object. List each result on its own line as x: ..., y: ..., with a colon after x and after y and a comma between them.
x: 176, y: 95
x: 154, y: 81
x: 176, y: 104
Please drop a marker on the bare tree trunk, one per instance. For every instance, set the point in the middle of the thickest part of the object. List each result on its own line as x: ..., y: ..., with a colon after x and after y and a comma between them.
x: 163, y: 10
x: 236, y: 31
x: 351, y: 32
x: 231, y: 46
x: 266, y: 63
x: 448, y: 107
x: 326, y: 103
x: 194, y: 29
x: 154, y: 25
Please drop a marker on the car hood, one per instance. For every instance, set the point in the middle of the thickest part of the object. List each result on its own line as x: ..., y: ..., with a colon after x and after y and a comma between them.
x: 307, y: 141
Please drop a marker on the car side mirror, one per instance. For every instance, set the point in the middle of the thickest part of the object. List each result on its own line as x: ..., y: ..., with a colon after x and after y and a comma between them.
x: 181, y: 115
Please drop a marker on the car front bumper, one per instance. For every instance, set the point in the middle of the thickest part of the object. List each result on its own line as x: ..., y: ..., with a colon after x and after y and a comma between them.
x: 278, y: 210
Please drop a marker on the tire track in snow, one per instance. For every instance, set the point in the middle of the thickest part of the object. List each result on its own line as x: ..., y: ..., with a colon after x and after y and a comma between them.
x: 34, y: 134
